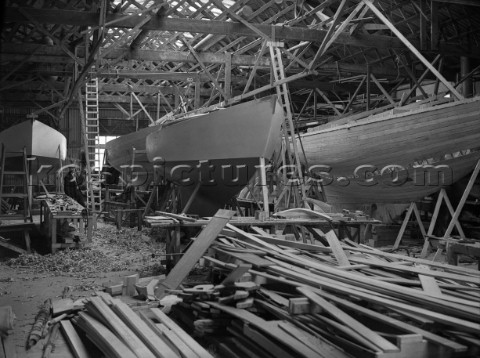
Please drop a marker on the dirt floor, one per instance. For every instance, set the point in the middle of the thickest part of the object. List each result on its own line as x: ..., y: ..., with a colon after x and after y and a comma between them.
x: 26, y: 281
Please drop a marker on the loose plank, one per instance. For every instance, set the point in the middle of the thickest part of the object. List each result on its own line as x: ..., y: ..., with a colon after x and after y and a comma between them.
x: 195, y: 252
x: 142, y: 330
x: 349, y: 321
x: 266, y: 327
x: 76, y: 344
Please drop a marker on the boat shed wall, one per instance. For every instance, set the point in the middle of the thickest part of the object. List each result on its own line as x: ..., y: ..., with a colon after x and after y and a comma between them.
x: 112, y: 122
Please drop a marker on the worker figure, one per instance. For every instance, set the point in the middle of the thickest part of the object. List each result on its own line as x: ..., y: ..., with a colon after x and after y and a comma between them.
x: 71, y: 187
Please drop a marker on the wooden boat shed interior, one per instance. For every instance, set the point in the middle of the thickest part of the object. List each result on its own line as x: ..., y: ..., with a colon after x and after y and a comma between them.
x: 296, y: 268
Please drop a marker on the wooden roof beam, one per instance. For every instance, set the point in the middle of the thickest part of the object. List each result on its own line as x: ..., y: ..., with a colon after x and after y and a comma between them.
x: 78, y: 18
x: 49, y: 54
x: 387, y: 22
x: 82, y: 19
x: 461, y: 2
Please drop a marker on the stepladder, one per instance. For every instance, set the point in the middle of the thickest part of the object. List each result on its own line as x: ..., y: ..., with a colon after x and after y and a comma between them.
x: 15, y: 195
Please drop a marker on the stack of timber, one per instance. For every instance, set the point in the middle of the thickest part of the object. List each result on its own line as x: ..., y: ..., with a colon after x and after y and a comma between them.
x: 271, y: 297
x: 103, y: 326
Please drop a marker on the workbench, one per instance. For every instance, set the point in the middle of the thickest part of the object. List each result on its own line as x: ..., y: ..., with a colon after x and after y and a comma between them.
x: 345, y: 228
x: 54, y: 210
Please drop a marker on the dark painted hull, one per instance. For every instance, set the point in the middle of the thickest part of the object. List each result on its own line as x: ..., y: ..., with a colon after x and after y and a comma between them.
x: 120, y: 155
x: 209, y: 148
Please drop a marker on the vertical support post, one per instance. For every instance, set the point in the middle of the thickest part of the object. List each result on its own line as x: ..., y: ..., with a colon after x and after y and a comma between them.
x: 132, y: 206
x: 177, y: 97
x: 467, y: 86
x: 434, y: 33
x: 197, y: 93
x: 368, y: 87
x: 228, y: 75
x: 423, y: 25
x: 263, y: 183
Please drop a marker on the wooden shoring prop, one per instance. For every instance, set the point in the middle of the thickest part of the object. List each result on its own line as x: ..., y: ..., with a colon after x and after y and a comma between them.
x: 411, y: 208
x: 263, y: 183
x: 460, y: 205
x: 442, y: 196
x: 191, y: 198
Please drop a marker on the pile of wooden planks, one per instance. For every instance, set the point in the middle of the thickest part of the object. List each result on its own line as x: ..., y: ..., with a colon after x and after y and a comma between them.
x: 293, y: 299
x: 269, y: 297
x: 118, y: 331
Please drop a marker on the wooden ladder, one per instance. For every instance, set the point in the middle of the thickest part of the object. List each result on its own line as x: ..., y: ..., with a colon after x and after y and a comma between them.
x: 23, y: 174
x: 284, y: 100
x: 94, y: 178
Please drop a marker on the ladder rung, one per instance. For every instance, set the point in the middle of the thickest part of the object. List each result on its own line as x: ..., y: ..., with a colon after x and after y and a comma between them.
x: 13, y: 216
x: 14, y: 195
x: 13, y: 152
x: 14, y: 172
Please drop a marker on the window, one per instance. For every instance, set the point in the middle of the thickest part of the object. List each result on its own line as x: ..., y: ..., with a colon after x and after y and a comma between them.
x: 99, y: 156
